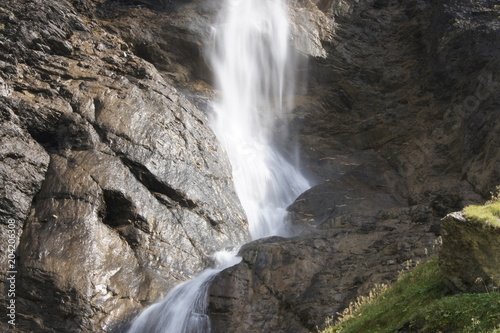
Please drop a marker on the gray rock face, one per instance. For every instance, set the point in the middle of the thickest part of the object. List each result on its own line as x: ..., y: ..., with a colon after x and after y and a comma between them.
x: 406, y: 82
x: 468, y: 258
x: 23, y: 163
x: 292, y: 285
x: 118, y: 187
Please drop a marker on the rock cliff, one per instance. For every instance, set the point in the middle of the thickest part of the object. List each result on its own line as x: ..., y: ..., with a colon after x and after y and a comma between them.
x: 119, y: 188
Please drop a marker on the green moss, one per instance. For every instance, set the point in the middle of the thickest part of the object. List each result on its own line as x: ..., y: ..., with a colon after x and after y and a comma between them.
x: 489, y: 213
x: 420, y: 302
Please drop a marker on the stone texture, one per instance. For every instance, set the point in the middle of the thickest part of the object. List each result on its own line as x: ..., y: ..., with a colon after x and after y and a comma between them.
x: 23, y: 163
x: 292, y: 285
x: 412, y: 82
x: 355, y: 233
x: 398, y: 116
x: 468, y: 257
x: 118, y: 187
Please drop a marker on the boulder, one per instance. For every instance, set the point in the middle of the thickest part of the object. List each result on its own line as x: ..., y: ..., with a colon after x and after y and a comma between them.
x: 469, y: 255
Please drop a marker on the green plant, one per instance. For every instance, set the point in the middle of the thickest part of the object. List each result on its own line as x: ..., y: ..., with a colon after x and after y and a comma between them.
x: 362, y: 301
x: 420, y: 302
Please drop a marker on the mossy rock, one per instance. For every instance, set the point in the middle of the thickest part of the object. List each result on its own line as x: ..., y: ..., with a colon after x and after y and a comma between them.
x: 469, y: 257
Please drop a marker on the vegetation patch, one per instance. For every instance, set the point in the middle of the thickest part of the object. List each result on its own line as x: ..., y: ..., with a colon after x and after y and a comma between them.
x: 420, y: 301
x: 488, y: 213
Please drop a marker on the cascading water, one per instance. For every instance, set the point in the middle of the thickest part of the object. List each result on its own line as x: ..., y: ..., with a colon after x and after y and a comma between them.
x: 183, y: 310
x: 254, y: 74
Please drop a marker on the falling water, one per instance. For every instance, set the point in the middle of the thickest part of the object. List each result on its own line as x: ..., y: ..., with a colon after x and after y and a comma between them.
x: 254, y: 73
x: 184, y: 308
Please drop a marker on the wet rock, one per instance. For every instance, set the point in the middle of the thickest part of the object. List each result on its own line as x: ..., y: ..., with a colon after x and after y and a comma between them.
x: 118, y: 188
x: 23, y: 163
x: 468, y: 257
x: 174, y: 42
x: 310, y: 28
x: 292, y: 285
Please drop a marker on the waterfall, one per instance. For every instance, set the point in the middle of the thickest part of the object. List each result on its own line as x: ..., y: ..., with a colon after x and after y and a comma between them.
x: 255, y: 75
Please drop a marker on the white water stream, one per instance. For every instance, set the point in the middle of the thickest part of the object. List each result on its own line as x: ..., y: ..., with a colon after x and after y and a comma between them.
x: 183, y: 309
x: 254, y: 73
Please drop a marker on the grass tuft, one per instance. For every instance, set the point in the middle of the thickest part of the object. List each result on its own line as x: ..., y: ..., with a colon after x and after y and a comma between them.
x: 488, y: 214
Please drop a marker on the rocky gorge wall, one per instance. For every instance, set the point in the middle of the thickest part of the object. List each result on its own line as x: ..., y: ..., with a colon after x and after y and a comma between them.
x: 119, y: 189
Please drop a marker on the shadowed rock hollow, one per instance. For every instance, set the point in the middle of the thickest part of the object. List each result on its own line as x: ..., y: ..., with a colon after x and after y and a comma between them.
x: 120, y: 189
